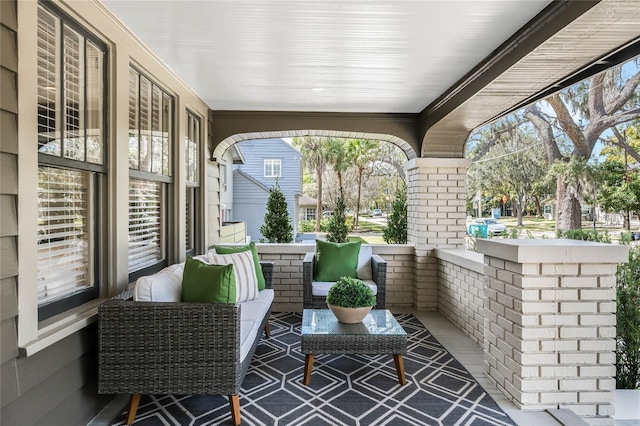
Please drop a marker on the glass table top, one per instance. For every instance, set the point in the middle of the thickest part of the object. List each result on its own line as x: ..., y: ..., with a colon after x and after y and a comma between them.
x: 322, y: 321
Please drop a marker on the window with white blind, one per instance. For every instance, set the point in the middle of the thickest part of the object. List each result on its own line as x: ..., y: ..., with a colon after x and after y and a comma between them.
x: 145, y: 224
x: 192, y: 180
x: 272, y: 168
x: 71, y: 106
x: 150, y: 140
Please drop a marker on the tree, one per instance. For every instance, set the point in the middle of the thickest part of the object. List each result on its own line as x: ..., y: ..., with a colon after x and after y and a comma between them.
x: 583, y: 112
x: 277, y: 223
x: 513, y: 165
x: 337, y: 229
x: 396, y: 230
x: 315, y: 153
x: 361, y: 152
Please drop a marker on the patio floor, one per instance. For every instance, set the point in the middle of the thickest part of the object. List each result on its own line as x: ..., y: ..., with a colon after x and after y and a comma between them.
x: 459, y: 345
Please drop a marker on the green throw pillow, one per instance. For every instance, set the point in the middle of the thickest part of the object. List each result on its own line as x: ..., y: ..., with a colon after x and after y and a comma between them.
x: 202, y: 282
x: 256, y: 260
x: 335, y: 260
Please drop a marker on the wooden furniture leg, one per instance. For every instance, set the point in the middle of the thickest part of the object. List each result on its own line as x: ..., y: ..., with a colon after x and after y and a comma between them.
x: 134, y: 401
x: 399, y: 368
x: 234, y: 404
x: 267, y: 330
x: 308, y: 365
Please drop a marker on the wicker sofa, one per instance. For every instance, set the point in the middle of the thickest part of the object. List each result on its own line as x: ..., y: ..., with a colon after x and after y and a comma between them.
x: 180, y: 348
x: 314, y: 292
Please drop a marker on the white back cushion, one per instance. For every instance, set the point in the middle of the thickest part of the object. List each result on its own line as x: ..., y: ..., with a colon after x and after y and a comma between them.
x: 164, y: 286
x: 364, y: 263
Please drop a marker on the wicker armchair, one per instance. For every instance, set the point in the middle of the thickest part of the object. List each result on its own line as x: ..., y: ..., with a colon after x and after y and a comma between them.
x: 378, y: 271
x: 174, y: 348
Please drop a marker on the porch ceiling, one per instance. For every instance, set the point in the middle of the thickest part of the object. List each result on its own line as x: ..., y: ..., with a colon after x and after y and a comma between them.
x: 453, y: 64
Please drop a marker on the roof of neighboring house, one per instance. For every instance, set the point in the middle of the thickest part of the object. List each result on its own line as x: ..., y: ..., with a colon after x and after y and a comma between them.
x: 251, y: 179
x: 306, y: 201
x: 237, y: 155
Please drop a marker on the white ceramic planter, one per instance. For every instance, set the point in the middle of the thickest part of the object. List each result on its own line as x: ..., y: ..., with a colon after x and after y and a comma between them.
x: 349, y: 315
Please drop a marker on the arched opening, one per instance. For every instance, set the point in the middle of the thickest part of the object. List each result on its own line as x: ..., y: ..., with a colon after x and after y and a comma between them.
x: 242, y: 159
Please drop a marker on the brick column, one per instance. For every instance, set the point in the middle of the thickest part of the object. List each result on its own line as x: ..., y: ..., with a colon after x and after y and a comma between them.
x: 550, y: 323
x: 436, y: 198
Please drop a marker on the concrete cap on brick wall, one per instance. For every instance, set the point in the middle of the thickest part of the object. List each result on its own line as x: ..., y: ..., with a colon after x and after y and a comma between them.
x: 553, y: 251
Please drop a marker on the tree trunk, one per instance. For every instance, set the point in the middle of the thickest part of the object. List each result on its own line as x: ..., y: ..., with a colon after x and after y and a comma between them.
x: 626, y: 222
x: 536, y: 200
x: 520, y: 214
x: 360, y: 170
x: 569, y: 208
x: 319, y: 203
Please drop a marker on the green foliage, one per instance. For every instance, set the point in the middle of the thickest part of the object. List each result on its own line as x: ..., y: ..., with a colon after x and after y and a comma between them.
x: 585, y: 235
x: 396, y: 230
x: 338, y: 229
x: 307, y: 226
x: 350, y: 293
x: 628, y: 322
x: 277, y: 223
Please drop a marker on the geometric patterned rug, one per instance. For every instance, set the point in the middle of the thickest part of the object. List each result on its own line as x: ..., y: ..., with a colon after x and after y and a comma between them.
x: 344, y: 389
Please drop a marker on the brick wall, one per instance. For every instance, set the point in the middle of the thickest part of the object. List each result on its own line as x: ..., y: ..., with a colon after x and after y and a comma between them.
x: 461, y: 290
x: 287, y: 275
x: 436, y: 214
x: 550, y: 323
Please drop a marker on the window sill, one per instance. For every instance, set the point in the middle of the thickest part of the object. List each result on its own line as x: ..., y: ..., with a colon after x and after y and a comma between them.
x: 57, y: 328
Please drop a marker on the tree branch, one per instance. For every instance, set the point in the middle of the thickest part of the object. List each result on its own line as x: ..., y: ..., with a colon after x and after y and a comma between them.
x: 625, y: 94
x: 569, y: 126
x: 534, y: 115
x: 621, y: 141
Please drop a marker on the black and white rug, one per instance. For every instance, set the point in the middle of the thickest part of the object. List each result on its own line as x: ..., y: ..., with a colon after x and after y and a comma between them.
x: 344, y: 389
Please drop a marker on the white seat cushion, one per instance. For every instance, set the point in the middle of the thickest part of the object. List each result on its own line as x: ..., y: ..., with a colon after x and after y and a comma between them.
x: 321, y: 288
x: 164, y: 286
x: 251, y: 314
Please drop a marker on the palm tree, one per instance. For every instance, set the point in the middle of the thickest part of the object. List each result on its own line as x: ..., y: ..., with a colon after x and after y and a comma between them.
x: 315, y: 152
x: 361, y: 153
x: 338, y: 156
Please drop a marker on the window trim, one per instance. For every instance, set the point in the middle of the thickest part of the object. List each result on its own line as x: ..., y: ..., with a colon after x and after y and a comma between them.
x: 34, y: 336
x: 272, y: 162
x: 166, y: 180
x: 98, y: 172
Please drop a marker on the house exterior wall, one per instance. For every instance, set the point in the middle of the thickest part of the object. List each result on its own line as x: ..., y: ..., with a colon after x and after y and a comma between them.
x: 226, y: 184
x: 255, y: 152
x: 250, y: 201
x: 48, y: 372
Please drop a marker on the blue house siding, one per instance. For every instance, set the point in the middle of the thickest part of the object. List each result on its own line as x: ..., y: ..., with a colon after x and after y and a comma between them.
x: 251, y: 187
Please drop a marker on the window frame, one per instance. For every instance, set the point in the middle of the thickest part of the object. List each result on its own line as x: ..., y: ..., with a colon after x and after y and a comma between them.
x: 270, y: 163
x: 97, y: 174
x: 165, y: 181
x: 193, y: 216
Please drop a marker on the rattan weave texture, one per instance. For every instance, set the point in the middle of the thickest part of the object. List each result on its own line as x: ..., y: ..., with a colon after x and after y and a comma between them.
x: 378, y: 270
x: 173, y: 348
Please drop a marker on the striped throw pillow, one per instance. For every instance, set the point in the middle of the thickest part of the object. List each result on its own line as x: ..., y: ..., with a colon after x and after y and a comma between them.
x: 245, y: 273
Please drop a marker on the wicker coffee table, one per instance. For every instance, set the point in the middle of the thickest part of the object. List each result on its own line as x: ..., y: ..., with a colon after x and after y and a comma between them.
x: 378, y: 333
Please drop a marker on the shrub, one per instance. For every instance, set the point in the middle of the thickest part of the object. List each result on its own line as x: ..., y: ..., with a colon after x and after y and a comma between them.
x: 396, y: 230
x: 277, y: 223
x: 338, y: 229
x: 628, y: 322
x: 307, y: 226
x: 350, y: 293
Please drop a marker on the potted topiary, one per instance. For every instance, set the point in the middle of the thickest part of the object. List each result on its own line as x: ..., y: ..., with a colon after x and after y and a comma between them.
x: 350, y: 300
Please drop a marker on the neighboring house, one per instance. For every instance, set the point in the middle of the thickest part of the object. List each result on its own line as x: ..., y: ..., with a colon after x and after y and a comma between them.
x: 265, y: 160
x: 233, y: 156
x: 308, y: 207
